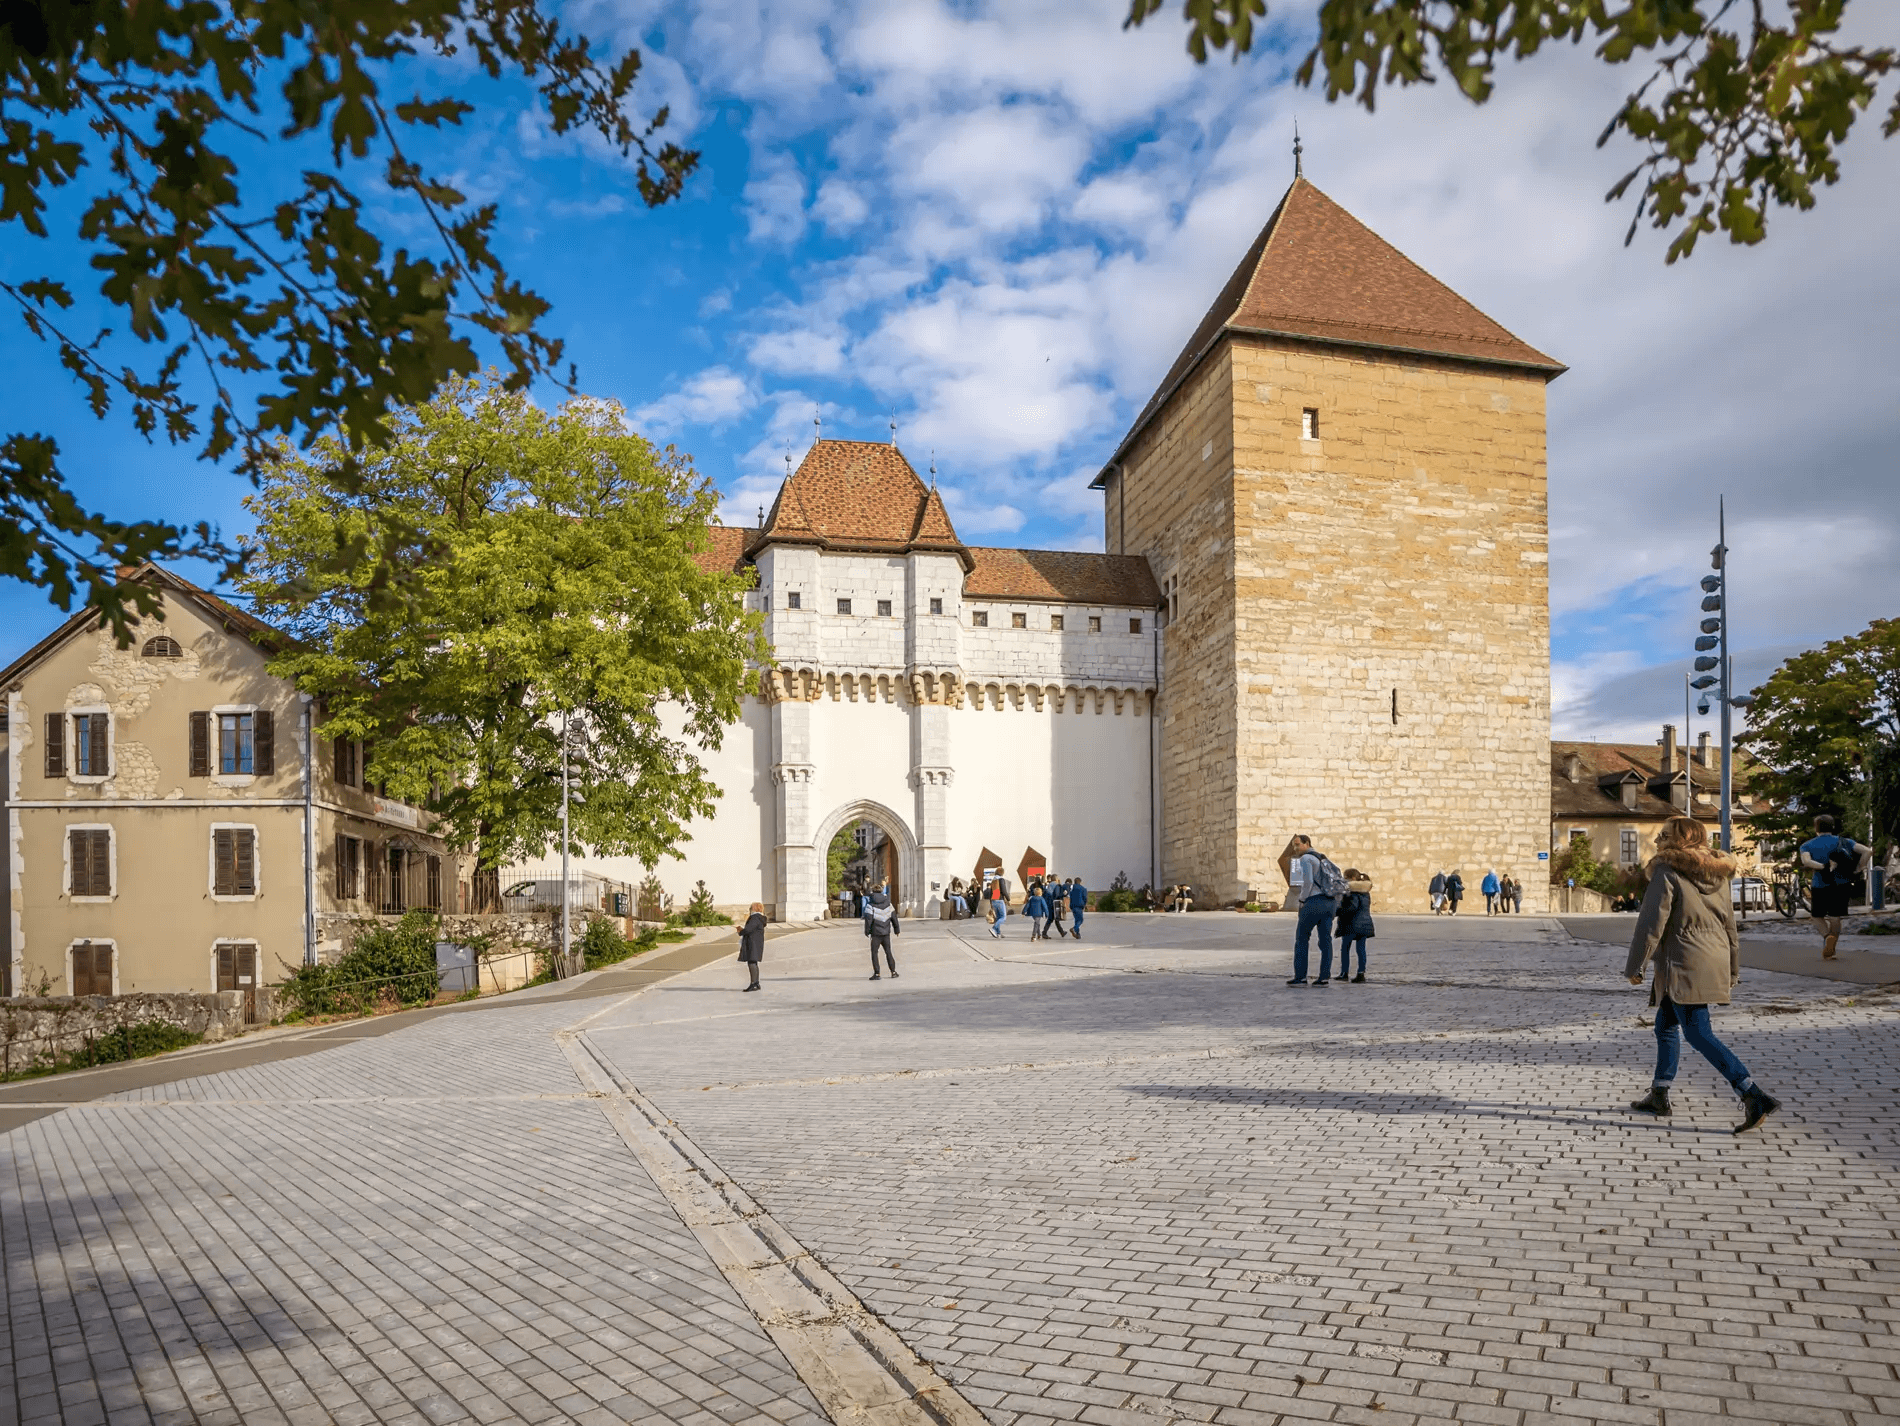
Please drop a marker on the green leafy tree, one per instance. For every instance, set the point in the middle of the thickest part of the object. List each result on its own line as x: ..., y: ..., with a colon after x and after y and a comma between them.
x: 1578, y: 862
x: 566, y: 586
x: 153, y: 123
x: 837, y: 857
x: 1824, y: 721
x: 1736, y: 117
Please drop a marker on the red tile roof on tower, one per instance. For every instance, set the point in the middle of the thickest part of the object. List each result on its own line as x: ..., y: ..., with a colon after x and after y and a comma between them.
x: 859, y: 496
x: 1316, y: 273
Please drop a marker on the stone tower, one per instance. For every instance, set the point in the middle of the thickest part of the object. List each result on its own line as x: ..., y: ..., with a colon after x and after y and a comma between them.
x: 1340, y: 487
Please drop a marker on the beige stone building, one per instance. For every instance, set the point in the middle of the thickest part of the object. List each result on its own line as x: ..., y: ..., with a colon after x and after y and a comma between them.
x: 1620, y: 794
x: 167, y: 825
x: 1340, y: 488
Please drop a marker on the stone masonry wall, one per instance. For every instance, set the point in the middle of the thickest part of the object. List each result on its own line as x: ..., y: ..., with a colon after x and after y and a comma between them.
x: 1406, y: 549
x: 35, y: 1030
x: 1174, y: 504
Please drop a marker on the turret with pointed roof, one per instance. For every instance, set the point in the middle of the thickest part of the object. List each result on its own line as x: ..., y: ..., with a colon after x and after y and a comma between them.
x: 1339, y: 485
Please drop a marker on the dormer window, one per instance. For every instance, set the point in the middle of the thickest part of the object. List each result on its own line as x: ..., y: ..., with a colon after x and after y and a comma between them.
x: 1629, y: 795
x: 162, y: 646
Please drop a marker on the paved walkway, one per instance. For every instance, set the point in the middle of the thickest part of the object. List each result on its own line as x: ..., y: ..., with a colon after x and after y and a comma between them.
x: 1128, y: 1181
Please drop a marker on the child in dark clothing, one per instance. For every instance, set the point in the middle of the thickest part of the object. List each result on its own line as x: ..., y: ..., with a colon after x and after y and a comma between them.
x: 1355, y: 922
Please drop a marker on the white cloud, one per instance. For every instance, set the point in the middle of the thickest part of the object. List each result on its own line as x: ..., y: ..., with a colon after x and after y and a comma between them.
x: 840, y: 206
x: 775, y: 198
x: 712, y: 398
x: 807, y: 351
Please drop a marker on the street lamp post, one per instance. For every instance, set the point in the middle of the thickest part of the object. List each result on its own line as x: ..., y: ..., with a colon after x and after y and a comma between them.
x: 1716, y: 669
x: 567, y: 916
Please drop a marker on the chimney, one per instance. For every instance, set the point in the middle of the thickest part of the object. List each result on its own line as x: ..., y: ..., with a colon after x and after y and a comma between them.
x: 1669, y: 750
x: 1704, y: 753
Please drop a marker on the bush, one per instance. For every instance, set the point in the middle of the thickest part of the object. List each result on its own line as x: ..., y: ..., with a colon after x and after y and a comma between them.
x: 1123, y: 899
x: 601, y: 944
x: 699, y: 910
x: 387, y: 964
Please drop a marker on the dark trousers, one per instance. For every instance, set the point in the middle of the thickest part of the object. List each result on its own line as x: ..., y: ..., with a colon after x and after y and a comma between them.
x: 883, y: 939
x: 1316, y: 914
x: 1676, y: 1023
x: 752, y: 969
x: 1075, y: 913
x: 1346, y: 944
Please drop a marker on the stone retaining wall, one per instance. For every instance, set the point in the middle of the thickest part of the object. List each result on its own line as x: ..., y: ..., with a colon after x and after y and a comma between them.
x: 35, y: 1029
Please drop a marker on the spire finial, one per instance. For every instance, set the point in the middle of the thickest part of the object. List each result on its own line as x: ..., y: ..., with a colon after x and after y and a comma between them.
x: 818, y: 425
x: 933, y: 470
x: 761, y: 517
x: 1296, y: 148
x: 893, y: 428
x: 788, y: 462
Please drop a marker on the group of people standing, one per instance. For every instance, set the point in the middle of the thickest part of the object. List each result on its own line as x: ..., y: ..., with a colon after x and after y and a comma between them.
x: 1330, y: 900
x: 1501, y: 893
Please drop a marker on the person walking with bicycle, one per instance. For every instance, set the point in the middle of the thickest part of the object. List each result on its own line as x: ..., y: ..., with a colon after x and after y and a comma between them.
x: 1835, y: 861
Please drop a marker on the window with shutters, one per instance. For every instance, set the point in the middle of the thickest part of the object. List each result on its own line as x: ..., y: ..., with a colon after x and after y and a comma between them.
x: 395, y: 898
x: 89, y: 863
x: 200, y: 742
x: 89, y: 963
x: 433, y: 887
x: 348, y: 766
x: 233, y: 861
x: 92, y: 744
x: 349, y: 867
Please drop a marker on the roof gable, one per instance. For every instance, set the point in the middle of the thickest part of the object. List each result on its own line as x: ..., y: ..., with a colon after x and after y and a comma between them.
x: 1316, y: 273
x: 860, y: 496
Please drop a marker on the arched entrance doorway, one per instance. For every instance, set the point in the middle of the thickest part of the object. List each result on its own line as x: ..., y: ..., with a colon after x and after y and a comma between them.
x: 865, y: 844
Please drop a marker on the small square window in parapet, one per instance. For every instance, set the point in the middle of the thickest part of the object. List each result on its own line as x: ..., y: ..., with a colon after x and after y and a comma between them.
x: 844, y: 606
x: 936, y: 606
x: 1019, y: 621
x: 1055, y: 623
x: 979, y: 618
x: 1309, y: 424
x: 1134, y: 626
x: 883, y: 608
x: 791, y: 600
x: 1095, y: 623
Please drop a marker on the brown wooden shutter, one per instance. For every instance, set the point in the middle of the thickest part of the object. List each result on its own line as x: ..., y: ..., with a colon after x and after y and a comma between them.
x: 56, y: 745
x: 263, y: 743
x: 227, y: 967
x: 102, y: 865
x: 92, y: 968
x: 201, y: 745
x: 345, y: 762
x: 373, y: 875
x: 91, y: 854
x: 96, y: 737
x: 434, y: 901
x: 343, y: 887
x: 244, y: 862
x: 224, y: 858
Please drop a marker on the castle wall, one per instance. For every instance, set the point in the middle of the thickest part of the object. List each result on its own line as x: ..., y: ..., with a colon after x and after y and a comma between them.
x: 1173, y: 502
x: 1404, y: 549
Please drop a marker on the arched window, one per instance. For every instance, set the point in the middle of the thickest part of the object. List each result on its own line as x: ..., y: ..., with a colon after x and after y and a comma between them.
x: 163, y: 646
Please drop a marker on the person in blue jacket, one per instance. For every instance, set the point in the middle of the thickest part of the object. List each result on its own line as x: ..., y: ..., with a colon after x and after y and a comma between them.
x: 1489, y: 886
x: 1036, y: 908
x: 1078, y: 903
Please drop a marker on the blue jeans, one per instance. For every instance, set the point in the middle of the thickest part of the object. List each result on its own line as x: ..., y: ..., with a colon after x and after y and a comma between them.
x: 1345, y: 954
x: 1075, y: 919
x: 1315, y: 911
x: 998, y: 910
x: 1676, y: 1022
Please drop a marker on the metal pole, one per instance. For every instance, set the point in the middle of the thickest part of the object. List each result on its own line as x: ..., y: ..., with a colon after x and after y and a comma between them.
x: 309, y: 830
x: 567, y: 951
x: 1728, y: 675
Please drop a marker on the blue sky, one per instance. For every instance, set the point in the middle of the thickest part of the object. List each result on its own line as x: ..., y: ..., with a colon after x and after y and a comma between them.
x: 1000, y: 222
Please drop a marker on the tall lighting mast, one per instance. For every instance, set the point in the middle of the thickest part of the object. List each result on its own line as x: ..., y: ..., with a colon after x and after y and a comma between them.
x: 1717, y: 669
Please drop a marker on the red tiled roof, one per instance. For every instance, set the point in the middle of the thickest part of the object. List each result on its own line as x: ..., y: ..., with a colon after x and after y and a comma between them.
x: 1061, y: 576
x: 726, y: 553
x: 1317, y: 273
x: 857, y: 495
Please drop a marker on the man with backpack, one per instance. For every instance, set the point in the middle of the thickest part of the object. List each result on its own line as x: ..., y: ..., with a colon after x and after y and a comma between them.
x: 1321, y: 885
x: 1835, y: 861
x: 880, y: 924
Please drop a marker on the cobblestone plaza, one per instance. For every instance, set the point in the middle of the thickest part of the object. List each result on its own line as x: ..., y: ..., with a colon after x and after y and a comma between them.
x: 1128, y: 1180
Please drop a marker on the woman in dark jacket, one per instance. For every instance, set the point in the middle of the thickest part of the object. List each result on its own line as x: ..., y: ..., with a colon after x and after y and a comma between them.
x: 1455, y: 890
x: 752, y: 942
x: 1355, y: 923
x: 1687, y: 927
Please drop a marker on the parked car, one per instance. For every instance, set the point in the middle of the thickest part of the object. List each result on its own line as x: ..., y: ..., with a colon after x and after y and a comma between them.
x: 1749, y: 893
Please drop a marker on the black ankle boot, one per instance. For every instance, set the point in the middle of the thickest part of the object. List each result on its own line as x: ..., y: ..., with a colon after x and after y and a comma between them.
x: 1655, y: 1102
x: 1757, y: 1105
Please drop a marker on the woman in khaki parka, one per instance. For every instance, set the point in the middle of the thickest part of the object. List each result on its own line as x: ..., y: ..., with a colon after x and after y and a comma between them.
x: 1687, y: 925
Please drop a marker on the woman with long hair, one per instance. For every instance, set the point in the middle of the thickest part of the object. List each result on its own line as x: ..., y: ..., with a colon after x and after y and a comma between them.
x: 1687, y: 926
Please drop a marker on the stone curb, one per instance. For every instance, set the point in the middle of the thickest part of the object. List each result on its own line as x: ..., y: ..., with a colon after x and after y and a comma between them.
x: 861, y: 1372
